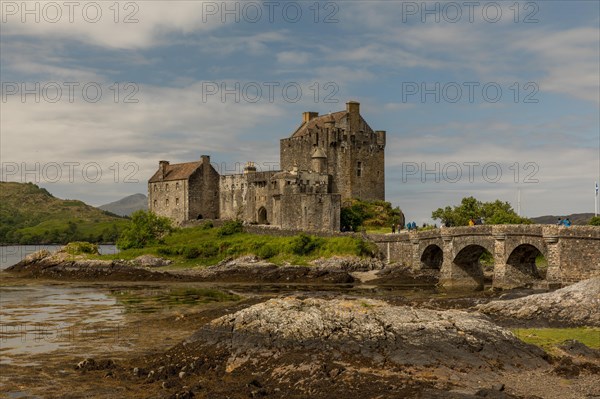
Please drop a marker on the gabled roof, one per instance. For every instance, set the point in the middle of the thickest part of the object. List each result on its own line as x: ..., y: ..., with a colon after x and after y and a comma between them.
x: 177, y: 171
x: 319, y: 121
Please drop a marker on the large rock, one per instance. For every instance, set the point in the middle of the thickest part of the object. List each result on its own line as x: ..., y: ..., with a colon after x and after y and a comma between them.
x: 372, y: 330
x: 349, y: 263
x: 151, y: 261
x: 252, y: 269
x: 577, y: 304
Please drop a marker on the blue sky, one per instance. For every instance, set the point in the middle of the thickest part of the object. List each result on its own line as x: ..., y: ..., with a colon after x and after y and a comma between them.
x: 173, y: 59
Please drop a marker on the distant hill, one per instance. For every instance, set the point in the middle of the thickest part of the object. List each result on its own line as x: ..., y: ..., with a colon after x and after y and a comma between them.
x: 575, y: 218
x: 126, y: 206
x: 31, y: 215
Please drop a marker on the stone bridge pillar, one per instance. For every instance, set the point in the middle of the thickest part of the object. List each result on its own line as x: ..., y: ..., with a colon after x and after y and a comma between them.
x: 415, y: 253
x: 554, y: 271
x: 501, y: 278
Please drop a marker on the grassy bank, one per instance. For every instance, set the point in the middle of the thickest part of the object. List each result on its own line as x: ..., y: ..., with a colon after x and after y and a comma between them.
x: 206, y: 245
x: 549, y: 338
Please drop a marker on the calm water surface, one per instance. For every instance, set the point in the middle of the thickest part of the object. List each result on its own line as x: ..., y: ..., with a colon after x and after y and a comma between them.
x: 49, y: 316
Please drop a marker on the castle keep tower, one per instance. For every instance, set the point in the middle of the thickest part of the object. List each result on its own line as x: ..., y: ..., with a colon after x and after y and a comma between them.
x: 354, y: 154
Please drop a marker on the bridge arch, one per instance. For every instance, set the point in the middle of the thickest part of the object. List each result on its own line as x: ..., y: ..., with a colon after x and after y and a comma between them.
x: 466, y: 266
x: 520, y: 264
x: 432, y: 257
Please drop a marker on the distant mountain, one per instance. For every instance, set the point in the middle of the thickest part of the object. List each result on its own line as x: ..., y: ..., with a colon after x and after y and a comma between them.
x: 575, y: 218
x: 126, y: 206
x: 31, y: 215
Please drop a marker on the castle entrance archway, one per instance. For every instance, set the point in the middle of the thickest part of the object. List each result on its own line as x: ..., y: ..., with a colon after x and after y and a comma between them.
x: 262, y: 215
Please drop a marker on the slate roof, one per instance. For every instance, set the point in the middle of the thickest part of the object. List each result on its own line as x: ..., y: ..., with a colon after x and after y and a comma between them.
x: 176, y: 171
x: 320, y: 121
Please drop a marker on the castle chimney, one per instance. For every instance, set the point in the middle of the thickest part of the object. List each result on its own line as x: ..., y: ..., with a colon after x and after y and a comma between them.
x: 353, y: 109
x: 307, y: 116
x: 249, y: 168
x: 205, y: 159
x: 380, y: 137
x: 162, y: 168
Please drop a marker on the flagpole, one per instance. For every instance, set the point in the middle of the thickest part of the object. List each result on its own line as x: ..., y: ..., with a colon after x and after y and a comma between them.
x: 596, y: 200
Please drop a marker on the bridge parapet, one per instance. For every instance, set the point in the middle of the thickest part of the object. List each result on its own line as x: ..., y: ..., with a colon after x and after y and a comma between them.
x: 572, y: 253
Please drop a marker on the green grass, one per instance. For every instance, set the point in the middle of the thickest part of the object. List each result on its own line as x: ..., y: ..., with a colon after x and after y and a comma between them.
x: 548, y: 338
x: 199, y: 246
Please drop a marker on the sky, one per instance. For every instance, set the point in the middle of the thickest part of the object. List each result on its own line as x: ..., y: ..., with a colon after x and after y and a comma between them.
x: 484, y: 99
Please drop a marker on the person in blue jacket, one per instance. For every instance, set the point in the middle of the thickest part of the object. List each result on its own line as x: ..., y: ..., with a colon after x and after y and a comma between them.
x: 567, y: 222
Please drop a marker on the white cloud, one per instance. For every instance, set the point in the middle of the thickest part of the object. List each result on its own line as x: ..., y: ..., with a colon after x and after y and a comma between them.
x: 139, y: 24
x: 293, y: 57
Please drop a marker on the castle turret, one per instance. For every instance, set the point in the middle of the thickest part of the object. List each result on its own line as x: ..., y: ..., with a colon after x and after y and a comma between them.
x: 319, y: 161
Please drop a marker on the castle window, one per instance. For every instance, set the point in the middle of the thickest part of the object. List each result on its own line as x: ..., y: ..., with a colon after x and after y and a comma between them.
x: 176, y: 201
x: 167, y: 202
x: 167, y: 186
x: 155, y: 203
x: 176, y: 186
x: 155, y: 188
x: 359, y: 169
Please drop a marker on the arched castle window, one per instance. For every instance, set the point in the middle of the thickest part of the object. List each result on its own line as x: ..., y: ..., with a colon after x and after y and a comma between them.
x: 359, y: 169
x: 176, y: 201
x: 176, y: 186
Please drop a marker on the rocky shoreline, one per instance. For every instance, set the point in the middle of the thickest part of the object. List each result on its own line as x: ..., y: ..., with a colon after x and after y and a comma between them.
x: 291, y: 347
x: 334, y: 345
x: 247, y: 269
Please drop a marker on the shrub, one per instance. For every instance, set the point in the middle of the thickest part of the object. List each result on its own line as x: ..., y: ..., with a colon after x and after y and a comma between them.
x: 367, y: 248
x: 145, y: 228
x: 191, y: 252
x: 594, y: 221
x: 304, y: 244
x: 267, y: 251
x: 167, y: 251
x: 81, y: 247
x: 208, y: 250
x: 230, y: 227
x: 206, y: 225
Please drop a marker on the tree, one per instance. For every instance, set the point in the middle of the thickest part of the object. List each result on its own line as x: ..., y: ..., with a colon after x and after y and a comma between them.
x: 497, y: 212
x: 595, y: 221
x: 145, y: 228
x: 370, y: 214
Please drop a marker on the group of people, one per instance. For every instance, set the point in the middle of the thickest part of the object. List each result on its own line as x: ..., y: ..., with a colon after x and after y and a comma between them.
x: 475, y: 222
x: 564, y: 222
x: 409, y: 226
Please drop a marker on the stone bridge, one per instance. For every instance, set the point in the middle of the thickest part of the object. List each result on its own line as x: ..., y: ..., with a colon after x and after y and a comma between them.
x: 572, y: 253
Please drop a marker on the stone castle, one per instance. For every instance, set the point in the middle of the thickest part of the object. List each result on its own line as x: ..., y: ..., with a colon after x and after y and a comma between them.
x: 328, y: 160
